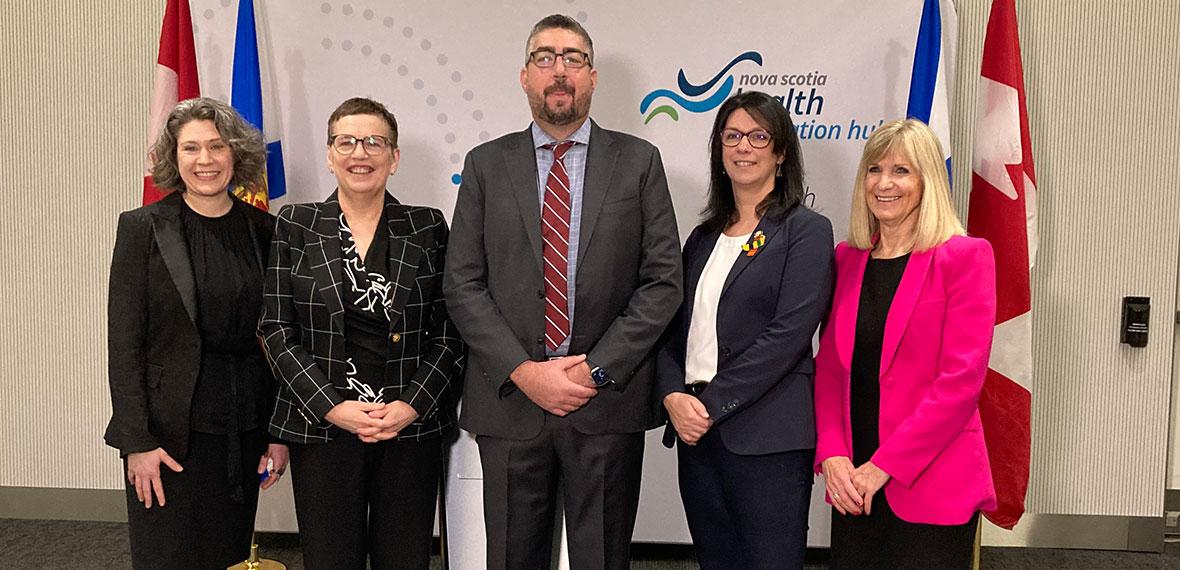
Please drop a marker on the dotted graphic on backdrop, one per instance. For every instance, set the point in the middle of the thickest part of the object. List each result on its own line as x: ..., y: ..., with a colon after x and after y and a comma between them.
x: 403, y: 70
x: 430, y: 96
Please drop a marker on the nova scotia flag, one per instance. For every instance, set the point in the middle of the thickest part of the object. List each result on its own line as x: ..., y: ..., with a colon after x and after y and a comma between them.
x: 256, y: 105
x: 934, y: 59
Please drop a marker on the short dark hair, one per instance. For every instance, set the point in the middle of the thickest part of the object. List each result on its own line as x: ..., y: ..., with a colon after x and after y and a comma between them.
x: 245, y: 142
x: 721, y: 211
x: 560, y: 22
x: 364, y: 106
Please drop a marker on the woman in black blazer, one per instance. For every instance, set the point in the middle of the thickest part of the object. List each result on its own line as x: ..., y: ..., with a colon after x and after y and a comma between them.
x: 356, y: 327
x: 735, y: 369
x: 190, y: 387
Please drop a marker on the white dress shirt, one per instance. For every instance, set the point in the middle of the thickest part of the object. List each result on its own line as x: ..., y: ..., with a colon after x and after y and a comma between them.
x: 701, y: 351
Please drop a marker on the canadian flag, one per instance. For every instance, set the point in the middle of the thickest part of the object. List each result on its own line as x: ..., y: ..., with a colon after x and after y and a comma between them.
x: 1003, y: 211
x: 176, y: 80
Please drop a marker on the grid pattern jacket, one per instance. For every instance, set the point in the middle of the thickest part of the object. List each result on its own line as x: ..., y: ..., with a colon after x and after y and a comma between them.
x: 302, y: 324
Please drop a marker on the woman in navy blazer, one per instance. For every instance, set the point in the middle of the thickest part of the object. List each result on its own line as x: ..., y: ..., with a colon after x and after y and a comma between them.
x: 735, y: 368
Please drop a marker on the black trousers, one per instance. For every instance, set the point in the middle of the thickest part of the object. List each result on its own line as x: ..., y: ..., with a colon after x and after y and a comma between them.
x: 356, y: 500
x: 882, y: 540
x: 745, y: 511
x: 598, y: 477
x: 199, y: 527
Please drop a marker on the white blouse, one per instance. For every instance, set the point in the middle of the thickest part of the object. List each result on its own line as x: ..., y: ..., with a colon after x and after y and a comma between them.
x: 701, y: 350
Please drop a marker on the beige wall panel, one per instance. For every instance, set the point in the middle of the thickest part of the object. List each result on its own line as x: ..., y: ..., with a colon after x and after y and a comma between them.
x: 76, y: 78
x: 1101, y: 80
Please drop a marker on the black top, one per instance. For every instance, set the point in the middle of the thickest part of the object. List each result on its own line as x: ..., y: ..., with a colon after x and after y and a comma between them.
x: 880, y: 282
x: 231, y: 391
x: 367, y: 294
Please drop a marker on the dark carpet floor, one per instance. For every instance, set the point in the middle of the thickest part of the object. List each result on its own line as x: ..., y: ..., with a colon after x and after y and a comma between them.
x: 44, y: 544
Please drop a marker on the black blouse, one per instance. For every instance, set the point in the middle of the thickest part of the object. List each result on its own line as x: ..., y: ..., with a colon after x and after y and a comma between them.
x: 367, y: 294
x: 231, y: 391
x: 880, y: 282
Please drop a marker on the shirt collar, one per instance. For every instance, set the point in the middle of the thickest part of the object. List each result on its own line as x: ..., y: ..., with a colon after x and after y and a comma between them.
x: 542, y: 138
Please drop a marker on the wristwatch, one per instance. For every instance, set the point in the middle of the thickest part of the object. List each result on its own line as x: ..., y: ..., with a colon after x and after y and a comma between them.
x: 599, y: 376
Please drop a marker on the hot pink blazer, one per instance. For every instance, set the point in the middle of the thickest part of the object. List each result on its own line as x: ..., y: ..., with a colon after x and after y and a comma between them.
x: 938, y: 336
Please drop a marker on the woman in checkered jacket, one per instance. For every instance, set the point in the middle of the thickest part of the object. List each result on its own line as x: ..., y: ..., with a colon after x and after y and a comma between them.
x: 355, y: 326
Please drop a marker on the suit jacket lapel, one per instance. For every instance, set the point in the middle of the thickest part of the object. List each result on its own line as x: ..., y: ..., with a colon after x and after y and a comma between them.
x: 600, y: 166
x: 904, y: 300
x: 769, y: 229
x: 404, y: 257
x: 849, y: 282
x: 694, y: 266
x: 520, y: 159
x: 169, y: 233
x: 323, y: 251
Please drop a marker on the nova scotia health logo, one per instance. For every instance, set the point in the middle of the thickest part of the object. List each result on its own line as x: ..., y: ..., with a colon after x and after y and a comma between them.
x: 693, y: 98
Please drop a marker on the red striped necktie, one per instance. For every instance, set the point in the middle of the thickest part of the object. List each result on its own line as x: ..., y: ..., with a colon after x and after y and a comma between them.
x: 555, y: 231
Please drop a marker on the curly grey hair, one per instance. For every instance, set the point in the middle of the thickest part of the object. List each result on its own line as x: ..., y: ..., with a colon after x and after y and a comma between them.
x: 245, y: 142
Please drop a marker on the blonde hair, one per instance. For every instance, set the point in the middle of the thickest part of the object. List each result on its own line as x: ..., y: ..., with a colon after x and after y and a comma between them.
x: 937, y: 221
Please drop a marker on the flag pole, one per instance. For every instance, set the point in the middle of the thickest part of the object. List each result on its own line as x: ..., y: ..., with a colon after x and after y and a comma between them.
x: 978, y: 539
x: 256, y: 563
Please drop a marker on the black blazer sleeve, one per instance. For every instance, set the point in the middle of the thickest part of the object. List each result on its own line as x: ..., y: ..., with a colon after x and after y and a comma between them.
x: 127, y: 311
x: 443, y: 352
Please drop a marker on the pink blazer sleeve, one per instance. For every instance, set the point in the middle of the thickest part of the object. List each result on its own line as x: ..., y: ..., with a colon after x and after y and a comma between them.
x: 968, y: 274
x: 830, y: 381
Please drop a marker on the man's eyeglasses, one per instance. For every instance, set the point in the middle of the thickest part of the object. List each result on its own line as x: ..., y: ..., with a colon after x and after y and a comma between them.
x: 756, y: 138
x: 346, y: 144
x: 571, y: 58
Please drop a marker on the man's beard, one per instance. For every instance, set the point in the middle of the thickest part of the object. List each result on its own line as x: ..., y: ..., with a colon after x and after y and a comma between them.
x: 561, y: 116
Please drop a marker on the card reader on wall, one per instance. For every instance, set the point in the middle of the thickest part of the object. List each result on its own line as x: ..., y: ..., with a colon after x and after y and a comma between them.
x: 1136, y: 313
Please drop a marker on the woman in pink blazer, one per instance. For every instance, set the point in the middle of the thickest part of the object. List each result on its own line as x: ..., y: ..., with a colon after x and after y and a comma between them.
x: 901, y: 364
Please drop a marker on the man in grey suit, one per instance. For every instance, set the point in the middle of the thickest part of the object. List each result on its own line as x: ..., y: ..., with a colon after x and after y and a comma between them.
x: 563, y: 270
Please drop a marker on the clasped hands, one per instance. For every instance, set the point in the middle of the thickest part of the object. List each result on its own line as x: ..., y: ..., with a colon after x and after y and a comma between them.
x: 559, y: 386
x: 372, y: 421
x: 689, y: 417
x: 852, y: 489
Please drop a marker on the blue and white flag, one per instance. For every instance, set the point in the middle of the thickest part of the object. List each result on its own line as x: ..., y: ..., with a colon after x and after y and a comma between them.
x: 933, y: 61
x: 256, y: 105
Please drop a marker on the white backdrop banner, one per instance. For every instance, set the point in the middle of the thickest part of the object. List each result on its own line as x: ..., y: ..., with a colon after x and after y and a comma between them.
x: 449, y: 71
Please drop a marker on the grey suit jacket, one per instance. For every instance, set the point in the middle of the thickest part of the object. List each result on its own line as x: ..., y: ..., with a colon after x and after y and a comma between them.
x: 628, y: 284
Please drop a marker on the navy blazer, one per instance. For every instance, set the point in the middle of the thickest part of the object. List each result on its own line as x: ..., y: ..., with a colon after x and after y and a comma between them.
x: 771, y: 303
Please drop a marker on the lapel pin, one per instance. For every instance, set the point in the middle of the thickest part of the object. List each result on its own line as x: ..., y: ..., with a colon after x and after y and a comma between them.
x: 756, y: 241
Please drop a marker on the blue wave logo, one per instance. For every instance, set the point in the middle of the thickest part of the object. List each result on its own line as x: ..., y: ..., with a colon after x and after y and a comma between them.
x: 687, y: 89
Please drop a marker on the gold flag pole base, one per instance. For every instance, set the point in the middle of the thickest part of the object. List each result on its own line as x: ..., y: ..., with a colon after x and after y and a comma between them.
x: 256, y: 563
